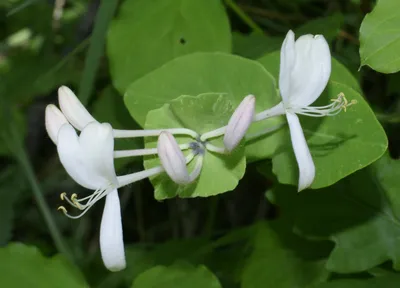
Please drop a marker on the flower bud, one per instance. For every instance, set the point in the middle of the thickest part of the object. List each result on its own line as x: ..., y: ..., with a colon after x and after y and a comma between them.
x: 172, y: 158
x: 239, y: 122
x: 73, y: 109
x: 54, y: 119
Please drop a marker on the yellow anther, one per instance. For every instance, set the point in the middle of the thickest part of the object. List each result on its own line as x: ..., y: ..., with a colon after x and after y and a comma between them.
x: 63, y: 195
x: 62, y: 208
x: 73, y: 199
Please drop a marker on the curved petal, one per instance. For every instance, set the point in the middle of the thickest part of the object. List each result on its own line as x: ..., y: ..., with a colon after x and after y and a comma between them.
x: 88, y: 159
x: 73, y: 109
x: 239, y: 122
x: 54, y: 119
x: 172, y: 158
x: 287, y: 62
x: 301, y: 151
x: 311, y: 71
x: 97, y: 144
x: 111, y: 236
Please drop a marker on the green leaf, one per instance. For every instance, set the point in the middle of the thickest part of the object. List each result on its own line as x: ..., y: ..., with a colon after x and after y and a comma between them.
x: 339, y: 145
x: 24, y: 266
x: 255, y: 45
x: 209, y: 72
x: 179, y: 275
x: 391, y: 281
x: 280, y: 256
x: 220, y: 173
x: 328, y: 26
x: 110, y: 108
x: 359, y: 214
x: 380, y: 37
x: 147, y: 34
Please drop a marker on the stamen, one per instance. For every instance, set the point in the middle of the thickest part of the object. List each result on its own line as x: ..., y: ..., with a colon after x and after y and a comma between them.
x: 337, y: 105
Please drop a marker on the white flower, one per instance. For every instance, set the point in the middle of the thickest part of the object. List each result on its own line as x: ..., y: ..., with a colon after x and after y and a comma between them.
x: 239, y: 122
x: 89, y: 160
x: 305, y: 68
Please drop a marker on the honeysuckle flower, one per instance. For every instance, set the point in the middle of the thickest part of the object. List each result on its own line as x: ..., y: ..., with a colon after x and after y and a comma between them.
x: 239, y: 122
x: 305, y: 68
x: 89, y: 160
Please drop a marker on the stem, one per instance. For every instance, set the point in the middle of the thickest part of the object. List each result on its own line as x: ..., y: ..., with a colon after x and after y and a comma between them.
x: 143, y: 133
x: 212, y: 215
x: 38, y: 195
x: 242, y: 15
x: 212, y: 134
x: 216, y: 149
x: 277, y: 110
x: 104, y: 16
x: 143, y: 152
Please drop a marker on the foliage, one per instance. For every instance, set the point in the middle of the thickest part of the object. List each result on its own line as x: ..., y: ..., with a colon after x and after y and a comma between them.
x: 163, y: 64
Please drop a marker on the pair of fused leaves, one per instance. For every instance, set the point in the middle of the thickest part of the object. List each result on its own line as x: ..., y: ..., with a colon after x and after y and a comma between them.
x: 340, y: 145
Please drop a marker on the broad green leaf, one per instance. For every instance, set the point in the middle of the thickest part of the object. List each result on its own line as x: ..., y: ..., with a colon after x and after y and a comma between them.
x: 280, y: 256
x: 391, y: 281
x: 380, y: 37
x: 255, y: 45
x: 388, y: 174
x: 110, y: 108
x: 179, y: 275
x: 24, y: 266
x: 328, y: 26
x: 220, y: 173
x: 340, y: 145
x: 359, y: 214
x: 209, y: 72
x: 147, y: 34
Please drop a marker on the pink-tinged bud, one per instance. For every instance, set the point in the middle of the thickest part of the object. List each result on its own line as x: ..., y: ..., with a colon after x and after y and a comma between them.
x: 172, y: 158
x: 54, y: 119
x: 239, y: 122
x: 73, y: 109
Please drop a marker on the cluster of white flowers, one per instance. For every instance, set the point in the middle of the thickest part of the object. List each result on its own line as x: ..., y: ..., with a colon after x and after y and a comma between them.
x: 305, y: 68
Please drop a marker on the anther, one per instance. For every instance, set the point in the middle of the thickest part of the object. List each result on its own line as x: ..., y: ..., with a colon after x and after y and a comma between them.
x: 62, y: 208
x: 63, y: 195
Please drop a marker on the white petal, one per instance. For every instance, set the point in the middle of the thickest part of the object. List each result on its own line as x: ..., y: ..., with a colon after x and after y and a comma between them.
x: 172, y: 158
x: 88, y: 159
x: 97, y: 143
x: 311, y: 71
x: 111, y: 236
x: 301, y: 151
x: 239, y: 122
x: 287, y: 62
x: 54, y: 119
x: 73, y: 109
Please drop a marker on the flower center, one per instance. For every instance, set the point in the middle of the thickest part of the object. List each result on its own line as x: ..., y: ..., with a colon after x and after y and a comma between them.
x: 338, y: 104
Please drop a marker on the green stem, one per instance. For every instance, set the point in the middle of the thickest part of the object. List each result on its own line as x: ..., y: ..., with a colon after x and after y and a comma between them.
x: 22, y: 158
x: 96, y: 48
x: 242, y: 15
x: 388, y: 118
